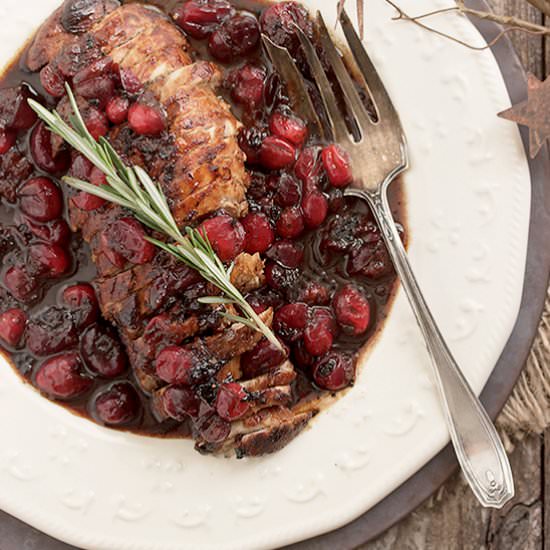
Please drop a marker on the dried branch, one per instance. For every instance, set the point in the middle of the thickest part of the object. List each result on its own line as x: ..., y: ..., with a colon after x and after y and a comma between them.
x: 541, y: 5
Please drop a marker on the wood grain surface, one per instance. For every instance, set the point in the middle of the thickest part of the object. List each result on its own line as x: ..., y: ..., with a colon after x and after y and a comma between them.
x: 453, y: 520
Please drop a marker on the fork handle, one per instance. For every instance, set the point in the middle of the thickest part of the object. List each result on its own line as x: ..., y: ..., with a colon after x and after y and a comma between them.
x: 478, y: 447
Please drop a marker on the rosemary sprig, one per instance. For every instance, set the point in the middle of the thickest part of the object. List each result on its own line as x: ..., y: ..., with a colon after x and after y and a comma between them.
x: 132, y: 188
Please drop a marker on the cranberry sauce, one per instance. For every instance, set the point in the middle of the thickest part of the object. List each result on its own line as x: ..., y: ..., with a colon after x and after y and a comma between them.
x: 328, y: 274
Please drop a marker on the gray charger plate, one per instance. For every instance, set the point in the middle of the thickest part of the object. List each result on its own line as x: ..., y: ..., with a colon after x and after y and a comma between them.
x: 15, y: 535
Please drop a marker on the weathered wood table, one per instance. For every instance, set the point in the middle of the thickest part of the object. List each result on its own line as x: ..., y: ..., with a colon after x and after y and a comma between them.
x: 454, y: 521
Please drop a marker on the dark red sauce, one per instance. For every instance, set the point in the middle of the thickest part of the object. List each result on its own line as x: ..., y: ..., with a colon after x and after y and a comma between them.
x: 329, y: 276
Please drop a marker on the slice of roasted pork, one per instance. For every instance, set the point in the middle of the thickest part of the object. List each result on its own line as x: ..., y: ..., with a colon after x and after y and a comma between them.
x: 195, y: 158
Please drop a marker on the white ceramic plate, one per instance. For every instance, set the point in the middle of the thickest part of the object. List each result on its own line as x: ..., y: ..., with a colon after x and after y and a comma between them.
x: 469, y: 198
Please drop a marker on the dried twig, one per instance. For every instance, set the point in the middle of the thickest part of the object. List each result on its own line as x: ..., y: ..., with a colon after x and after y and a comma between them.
x: 541, y: 5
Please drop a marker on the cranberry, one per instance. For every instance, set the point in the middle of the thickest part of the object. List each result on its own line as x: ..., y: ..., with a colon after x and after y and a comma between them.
x: 276, y: 153
x: 231, y: 403
x: 118, y: 405
x: 117, y: 109
x: 308, y: 164
x: 352, y: 310
x: 226, y: 235
x: 301, y: 357
x: 279, y: 277
x: 334, y: 372
x: 96, y: 123
x: 199, y: 18
x: 289, y: 127
x: 82, y: 301
x: 61, y: 377
x: 288, y: 190
x: 174, y: 365
x: 314, y: 294
x: 41, y: 151
x: 52, y: 80
x: 337, y: 165
x: 290, y: 321
x: 20, y: 283
x: 54, y: 232
x: 100, y: 88
x: 320, y: 332
x: 110, y: 250
x: 41, y: 199
x: 127, y: 238
x: 12, y: 326
x: 250, y: 141
x: 236, y: 36
x: 315, y: 209
x: 15, y: 111
x: 262, y: 358
x: 290, y: 223
x: 101, y: 67
x: 130, y: 81
x: 51, y: 331
x: 7, y: 140
x: 214, y: 429
x: 80, y: 168
x: 247, y: 85
x: 279, y: 22
x: 52, y: 259
x: 258, y: 233
x: 146, y: 120
x: 180, y: 403
x: 286, y: 253
x: 102, y: 352
x: 88, y: 201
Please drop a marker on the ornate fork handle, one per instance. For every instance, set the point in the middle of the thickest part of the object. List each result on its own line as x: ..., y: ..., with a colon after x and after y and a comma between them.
x: 478, y: 446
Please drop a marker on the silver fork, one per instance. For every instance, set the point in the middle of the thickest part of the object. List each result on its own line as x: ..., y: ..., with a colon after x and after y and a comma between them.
x: 377, y: 156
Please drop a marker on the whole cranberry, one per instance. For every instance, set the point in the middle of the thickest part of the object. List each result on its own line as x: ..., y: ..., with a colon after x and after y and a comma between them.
x: 117, y: 405
x: 20, y: 283
x: 262, y: 358
x: 41, y: 151
x: 290, y: 321
x: 117, y: 109
x: 41, y: 199
x: 51, y: 331
x: 289, y: 127
x: 276, y: 153
x: 337, y: 165
x: 80, y: 168
x: 199, y: 18
x: 226, y: 235
x: 286, y: 253
x: 51, y: 259
x: 308, y: 165
x: 320, y: 331
x: 214, y: 429
x: 129, y: 81
x: 231, y: 402
x: 54, y: 232
x: 88, y: 201
x: 146, y: 120
x: 259, y: 234
x: 100, y: 88
x: 288, y: 189
x: 61, y: 377
x: 102, y: 352
x: 334, y: 371
x: 96, y: 122
x: 352, y: 310
x: 290, y: 224
x: 7, y: 140
x: 127, y: 237
x: 15, y: 112
x: 237, y: 36
x: 12, y: 326
x: 174, y: 365
x: 82, y: 302
x: 52, y: 80
x: 247, y: 85
x: 180, y: 403
x: 315, y: 209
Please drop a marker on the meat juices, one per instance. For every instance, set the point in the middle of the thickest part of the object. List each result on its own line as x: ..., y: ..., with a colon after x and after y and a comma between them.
x: 136, y: 350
